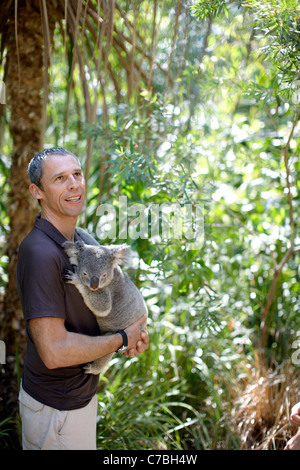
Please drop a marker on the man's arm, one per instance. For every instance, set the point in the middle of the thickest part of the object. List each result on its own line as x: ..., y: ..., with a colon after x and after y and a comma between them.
x: 295, y: 414
x: 294, y: 442
x: 58, y: 347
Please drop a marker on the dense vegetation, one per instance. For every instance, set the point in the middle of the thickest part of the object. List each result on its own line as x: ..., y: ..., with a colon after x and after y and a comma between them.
x: 217, y: 130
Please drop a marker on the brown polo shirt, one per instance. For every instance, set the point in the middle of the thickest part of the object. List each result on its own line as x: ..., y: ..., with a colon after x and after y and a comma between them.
x: 44, y: 293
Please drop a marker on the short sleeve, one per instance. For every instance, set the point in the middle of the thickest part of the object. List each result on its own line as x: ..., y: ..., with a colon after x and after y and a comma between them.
x: 40, y: 282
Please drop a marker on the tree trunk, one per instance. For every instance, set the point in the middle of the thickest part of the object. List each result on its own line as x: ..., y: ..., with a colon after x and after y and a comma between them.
x: 24, y: 82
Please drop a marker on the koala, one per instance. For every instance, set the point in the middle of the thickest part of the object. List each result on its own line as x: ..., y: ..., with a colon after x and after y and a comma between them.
x: 106, y: 289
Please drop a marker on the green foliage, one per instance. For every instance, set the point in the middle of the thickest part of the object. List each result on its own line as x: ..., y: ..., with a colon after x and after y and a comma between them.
x: 169, y: 398
x: 209, y: 8
x: 226, y: 151
x: 278, y: 24
x: 7, y: 432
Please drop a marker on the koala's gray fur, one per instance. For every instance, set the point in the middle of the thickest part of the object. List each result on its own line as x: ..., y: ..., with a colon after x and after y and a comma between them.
x: 106, y: 289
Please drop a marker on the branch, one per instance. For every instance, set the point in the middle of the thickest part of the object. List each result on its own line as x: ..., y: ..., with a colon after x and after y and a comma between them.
x: 155, y: 35
x: 285, y: 156
x: 291, y: 251
x: 179, y: 8
x: 263, y: 325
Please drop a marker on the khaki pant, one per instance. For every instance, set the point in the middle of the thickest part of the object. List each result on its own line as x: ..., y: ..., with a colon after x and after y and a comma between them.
x: 45, y: 428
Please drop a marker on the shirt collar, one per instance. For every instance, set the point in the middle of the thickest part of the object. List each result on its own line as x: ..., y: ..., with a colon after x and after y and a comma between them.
x: 52, y: 232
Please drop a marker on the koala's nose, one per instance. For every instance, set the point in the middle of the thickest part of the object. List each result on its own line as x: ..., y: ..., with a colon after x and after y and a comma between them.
x: 94, y: 282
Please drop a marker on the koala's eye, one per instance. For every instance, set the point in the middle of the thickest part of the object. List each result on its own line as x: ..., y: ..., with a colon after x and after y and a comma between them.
x: 85, y: 274
x: 103, y: 276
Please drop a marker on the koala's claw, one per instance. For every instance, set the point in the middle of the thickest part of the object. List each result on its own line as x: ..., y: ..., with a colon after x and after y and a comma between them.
x: 68, y: 275
x: 91, y: 368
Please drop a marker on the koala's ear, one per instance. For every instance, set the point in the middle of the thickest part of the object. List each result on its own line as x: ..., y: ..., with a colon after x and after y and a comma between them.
x: 72, y: 251
x: 79, y: 245
x: 119, y: 253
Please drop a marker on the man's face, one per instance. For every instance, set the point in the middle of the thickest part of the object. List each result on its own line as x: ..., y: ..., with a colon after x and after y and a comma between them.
x: 63, y: 186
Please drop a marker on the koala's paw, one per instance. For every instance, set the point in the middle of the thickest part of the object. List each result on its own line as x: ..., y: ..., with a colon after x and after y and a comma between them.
x: 69, y: 276
x: 91, y: 368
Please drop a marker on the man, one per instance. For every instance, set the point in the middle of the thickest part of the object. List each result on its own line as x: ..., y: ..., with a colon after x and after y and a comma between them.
x: 58, y: 403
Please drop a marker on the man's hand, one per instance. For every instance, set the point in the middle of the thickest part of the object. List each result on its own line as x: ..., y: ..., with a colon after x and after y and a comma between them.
x: 138, y: 340
x: 294, y: 442
x: 295, y: 414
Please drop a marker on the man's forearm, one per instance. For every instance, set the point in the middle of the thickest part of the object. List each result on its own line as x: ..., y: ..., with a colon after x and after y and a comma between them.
x: 80, y: 349
x: 58, y: 347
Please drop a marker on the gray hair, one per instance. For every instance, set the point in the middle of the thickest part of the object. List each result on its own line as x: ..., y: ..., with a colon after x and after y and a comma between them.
x: 35, y: 167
